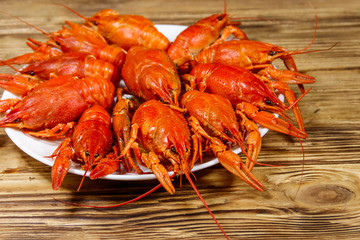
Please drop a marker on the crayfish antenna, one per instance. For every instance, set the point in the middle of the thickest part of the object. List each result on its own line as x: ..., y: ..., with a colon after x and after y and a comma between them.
x: 314, y: 35
x: 5, y: 63
x: 304, y: 50
x: 71, y: 10
x: 83, y: 178
x: 297, y: 100
x: 29, y: 24
x: 76, y: 13
x: 302, y: 170
x: 224, y: 6
x: 120, y: 204
x: 203, y: 201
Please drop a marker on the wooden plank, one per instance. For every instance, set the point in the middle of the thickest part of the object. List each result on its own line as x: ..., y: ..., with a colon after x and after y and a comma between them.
x: 326, y: 206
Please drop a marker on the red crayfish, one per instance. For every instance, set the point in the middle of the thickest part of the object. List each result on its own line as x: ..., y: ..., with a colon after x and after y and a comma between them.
x: 91, y: 141
x: 51, y: 108
x: 202, y: 94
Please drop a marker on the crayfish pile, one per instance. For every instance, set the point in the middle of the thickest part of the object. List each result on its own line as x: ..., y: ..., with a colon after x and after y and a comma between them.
x: 199, y: 95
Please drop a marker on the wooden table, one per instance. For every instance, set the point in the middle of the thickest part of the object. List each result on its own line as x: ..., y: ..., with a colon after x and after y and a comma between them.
x: 325, y: 207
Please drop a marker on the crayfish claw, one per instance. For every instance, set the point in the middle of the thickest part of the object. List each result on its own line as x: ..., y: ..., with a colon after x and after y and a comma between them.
x: 287, y: 76
x: 232, y: 162
x: 17, y: 84
x: 268, y: 120
x: 153, y: 163
x: 62, y: 163
x: 164, y: 178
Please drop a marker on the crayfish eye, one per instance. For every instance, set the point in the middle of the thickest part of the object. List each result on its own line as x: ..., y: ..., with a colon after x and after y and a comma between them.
x: 96, y: 155
x: 32, y: 73
x: 228, y: 133
x: 220, y: 18
x: 269, y: 102
x: 173, y: 149
x: 87, y: 153
x: 272, y: 53
x: 95, y: 23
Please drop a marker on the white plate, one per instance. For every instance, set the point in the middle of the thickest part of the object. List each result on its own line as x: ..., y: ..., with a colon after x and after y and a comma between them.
x: 39, y: 149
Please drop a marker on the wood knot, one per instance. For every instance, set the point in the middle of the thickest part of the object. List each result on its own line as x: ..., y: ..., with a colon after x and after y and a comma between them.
x: 326, y: 195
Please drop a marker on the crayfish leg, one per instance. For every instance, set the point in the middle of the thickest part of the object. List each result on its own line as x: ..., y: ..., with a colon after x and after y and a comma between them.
x: 253, y: 141
x: 59, y: 131
x: 227, y: 32
x: 233, y: 163
x: 268, y: 120
x: 291, y: 99
x: 291, y: 65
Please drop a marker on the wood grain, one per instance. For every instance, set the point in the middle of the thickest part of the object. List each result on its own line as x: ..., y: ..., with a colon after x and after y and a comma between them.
x: 326, y: 206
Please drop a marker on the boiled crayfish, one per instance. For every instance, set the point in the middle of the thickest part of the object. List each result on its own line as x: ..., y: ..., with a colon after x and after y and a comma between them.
x: 91, y: 141
x: 201, y: 94
x: 51, y: 109
x: 248, y: 94
x: 201, y: 35
x: 151, y: 74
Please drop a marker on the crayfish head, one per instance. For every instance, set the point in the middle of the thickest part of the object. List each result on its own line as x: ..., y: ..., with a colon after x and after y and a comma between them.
x: 92, y: 137
x: 159, y: 83
x: 217, y: 21
x: 102, y: 20
x: 89, y: 158
x: 179, y: 153
x: 266, y: 99
x: 91, y: 146
x: 275, y: 52
x: 273, y: 104
x: 262, y: 52
x: 178, y: 144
